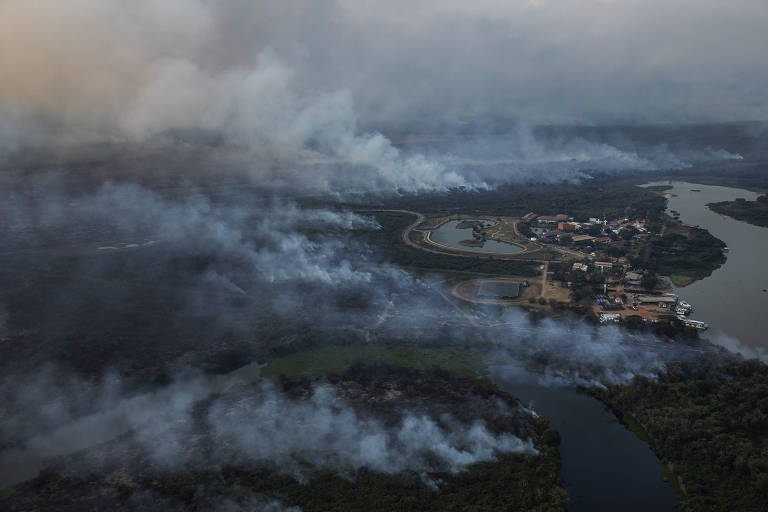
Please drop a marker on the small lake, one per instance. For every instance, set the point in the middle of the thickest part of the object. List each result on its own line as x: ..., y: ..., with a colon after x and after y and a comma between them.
x: 449, y: 235
x: 605, y: 466
x: 732, y: 299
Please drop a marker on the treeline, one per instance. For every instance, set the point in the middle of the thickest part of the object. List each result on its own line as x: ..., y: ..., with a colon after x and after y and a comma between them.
x: 754, y: 212
x: 602, y: 195
x: 389, y: 244
x: 709, y: 426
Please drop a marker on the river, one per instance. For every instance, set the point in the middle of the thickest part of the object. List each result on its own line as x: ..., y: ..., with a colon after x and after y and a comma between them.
x: 605, y: 466
x: 449, y: 235
x: 733, y: 299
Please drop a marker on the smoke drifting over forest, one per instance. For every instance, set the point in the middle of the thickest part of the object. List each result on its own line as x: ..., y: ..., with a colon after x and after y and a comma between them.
x: 222, y: 266
x: 124, y: 275
x: 245, y: 425
x: 302, y: 87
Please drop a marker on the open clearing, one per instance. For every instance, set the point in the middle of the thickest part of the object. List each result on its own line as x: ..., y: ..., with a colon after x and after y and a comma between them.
x: 467, y: 290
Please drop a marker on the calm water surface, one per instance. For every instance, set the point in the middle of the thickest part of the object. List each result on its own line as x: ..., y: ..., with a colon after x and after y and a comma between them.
x: 732, y: 300
x: 605, y: 466
x: 447, y: 234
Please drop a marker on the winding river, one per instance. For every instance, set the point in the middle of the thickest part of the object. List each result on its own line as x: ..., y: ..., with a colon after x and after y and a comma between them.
x: 605, y: 466
x: 733, y: 299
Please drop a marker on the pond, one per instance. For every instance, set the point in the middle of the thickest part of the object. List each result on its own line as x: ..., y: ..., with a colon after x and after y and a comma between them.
x: 450, y: 235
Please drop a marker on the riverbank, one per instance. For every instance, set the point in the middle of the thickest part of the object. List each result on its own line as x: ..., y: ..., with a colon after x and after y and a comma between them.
x: 709, y: 426
x: 684, y: 253
x: 754, y: 212
x: 595, y: 448
x: 606, y: 466
x: 732, y: 297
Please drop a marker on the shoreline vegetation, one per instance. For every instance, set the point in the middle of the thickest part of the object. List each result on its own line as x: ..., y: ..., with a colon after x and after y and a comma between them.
x: 709, y: 427
x: 683, y: 253
x: 751, y: 212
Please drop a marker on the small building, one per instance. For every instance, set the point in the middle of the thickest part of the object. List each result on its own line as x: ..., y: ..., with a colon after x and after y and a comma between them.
x: 566, y: 226
x: 602, y: 265
x: 528, y: 217
x: 554, y: 235
x: 582, y: 238
x: 580, y: 266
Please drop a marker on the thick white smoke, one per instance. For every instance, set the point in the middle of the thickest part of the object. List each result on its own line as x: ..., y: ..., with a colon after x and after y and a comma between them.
x: 99, y: 72
x: 266, y: 426
x: 298, y: 263
x: 245, y: 423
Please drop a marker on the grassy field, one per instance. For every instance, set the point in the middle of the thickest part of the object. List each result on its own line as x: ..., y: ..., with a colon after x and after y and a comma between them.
x: 321, y: 361
x: 681, y: 280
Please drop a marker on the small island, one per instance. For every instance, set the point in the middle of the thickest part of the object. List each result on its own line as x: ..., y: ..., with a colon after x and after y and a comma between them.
x: 470, y: 224
x: 753, y: 212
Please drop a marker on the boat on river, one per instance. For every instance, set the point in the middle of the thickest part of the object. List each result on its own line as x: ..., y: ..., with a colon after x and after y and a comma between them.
x: 696, y: 324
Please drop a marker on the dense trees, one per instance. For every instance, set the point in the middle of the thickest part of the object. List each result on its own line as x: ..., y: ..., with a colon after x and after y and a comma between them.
x: 684, y: 258
x: 709, y: 426
x: 603, y: 195
x: 754, y: 212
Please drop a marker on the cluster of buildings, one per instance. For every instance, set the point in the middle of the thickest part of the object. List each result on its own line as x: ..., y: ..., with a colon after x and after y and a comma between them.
x: 614, y: 237
x: 607, y: 243
x: 668, y: 304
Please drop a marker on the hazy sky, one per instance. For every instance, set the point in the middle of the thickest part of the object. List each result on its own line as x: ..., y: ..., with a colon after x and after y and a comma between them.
x: 138, y: 67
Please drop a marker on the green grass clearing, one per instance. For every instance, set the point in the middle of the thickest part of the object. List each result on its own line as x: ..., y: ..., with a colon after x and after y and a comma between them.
x: 321, y: 361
